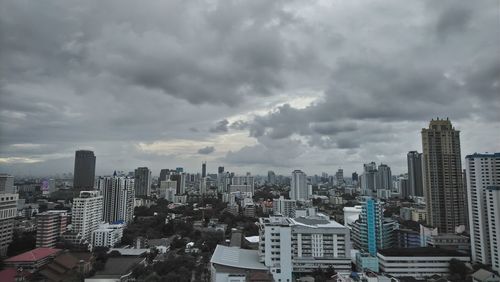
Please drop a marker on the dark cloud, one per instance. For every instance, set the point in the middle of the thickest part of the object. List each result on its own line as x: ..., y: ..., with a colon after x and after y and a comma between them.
x: 207, y: 150
x: 221, y: 126
x: 315, y: 85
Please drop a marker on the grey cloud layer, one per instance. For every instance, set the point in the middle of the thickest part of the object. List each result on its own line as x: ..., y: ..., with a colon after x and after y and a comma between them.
x: 95, y: 75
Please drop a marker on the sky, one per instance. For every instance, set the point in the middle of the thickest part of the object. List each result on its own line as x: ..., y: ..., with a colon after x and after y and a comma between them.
x: 249, y: 85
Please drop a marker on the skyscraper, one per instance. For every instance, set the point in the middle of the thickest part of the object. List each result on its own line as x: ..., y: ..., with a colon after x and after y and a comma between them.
x: 6, y: 183
x: 384, y: 177
x: 271, y: 177
x: 8, y: 208
x: 298, y: 186
x: 369, y: 179
x: 483, y: 192
x: 87, y: 213
x: 339, y: 177
x: 118, y: 194
x: 142, y: 184
x: 204, y: 169
x: 415, y: 184
x: 443, y: 184
x: 164, y: 175
x: 84, y: 173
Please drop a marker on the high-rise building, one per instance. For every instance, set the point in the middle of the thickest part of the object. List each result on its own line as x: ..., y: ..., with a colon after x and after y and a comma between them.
x: 284, y: 207
x: 298, y: 186
x: 384, y: 177
x: 181, y: 183
x: 354, y: 177
x: 164, y: 175
x: 339, y: 177
x: 50, y: 225
x: 483, y: 192
x: 443, y: 187
x: 87, y: 213
x: 372, y: 231
x: 271, y: 177
x: 6, y: 183
x: 220, y: 169
x: 8, y: 208
x: 84, y: 174
x: 142, y: 183
x: 204, y: 169
x: 297, y: 246
x: 369, y: 179
x: 118, y: 195
x: 415, y: 178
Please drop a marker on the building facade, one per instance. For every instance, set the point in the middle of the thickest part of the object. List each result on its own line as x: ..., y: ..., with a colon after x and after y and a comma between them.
x: 84, y: 173
x: 298, y: 186
x: 284, y: 207
x: 107, y: 235
x: 118, y: 196
x: 8, y: 210
x: 7, y: 183
x: 142, y: 183
x: 295, y: 247
x: 87, y: 213
x: 415, y: 178
x: 50, y: 225
x: 443, y: 181
x: 483, y: 192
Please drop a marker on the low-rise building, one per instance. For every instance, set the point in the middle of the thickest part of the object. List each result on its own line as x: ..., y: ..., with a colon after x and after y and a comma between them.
x: 456, y: 242
x: 32, y: 260
x: 483, y: 275
x: 417, y: 262
x: 107, y: 235
x: 230, y: 264
x: 50, y: 226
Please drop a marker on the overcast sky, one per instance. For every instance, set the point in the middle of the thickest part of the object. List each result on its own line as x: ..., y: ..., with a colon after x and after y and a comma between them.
x: 250, y: 85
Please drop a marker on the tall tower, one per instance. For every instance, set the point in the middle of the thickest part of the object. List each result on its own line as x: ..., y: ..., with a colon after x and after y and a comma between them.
x: 204, y: 169
x: 483, y: 192
x: 384, y: 177
x: 415, y: 185
x: 443, y: 183
x: 142, y: 182
x: 298, y: 186
x: 84, y: 173
x: 118, y: 194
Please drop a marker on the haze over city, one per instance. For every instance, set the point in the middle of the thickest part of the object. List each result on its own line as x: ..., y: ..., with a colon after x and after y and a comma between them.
x: 249, y: 85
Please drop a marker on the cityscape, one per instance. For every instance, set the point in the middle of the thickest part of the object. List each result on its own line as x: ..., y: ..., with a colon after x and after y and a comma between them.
x: 250, y: 141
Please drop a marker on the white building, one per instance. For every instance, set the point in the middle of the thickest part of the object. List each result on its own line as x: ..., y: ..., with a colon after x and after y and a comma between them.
x: 483, y: 192
x: 417, y: 262
x: 284, y: 207
x: 107, y: 235
x: 8, y: 211
x: 303, y: 244
x: 244, y: 183
x: 118, y: 195
x: 232, y: 264
x: 87, y: 213
x: 298, y: 186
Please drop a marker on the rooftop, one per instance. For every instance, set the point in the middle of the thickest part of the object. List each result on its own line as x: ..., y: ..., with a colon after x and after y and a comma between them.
x: 33, y: 255
x: 118, y: 266
x: 420, y: 252
x: 236, y: 257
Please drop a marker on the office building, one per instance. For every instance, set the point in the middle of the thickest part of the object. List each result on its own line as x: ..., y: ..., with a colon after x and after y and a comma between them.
x: 244, y: 180
x: 87, y: 214
x: 415, y: 178
x: 384, y: 177
x: 180, y: 180
x: 164, y: 174
x: 369, y: 179
x: 418, y: 262
x: 204, y: 169
x: 483, y: 192
x: 443, y: 187
x: 142, y: 183
x: 372, y: 232
x: 7, y: 183
x: 339, y: 177
x: 50, y: 225
x: 301, y: 245
x: 298, y: 186
x: 271, y: 177
x: 8, y: 211
x: 107, y: 235
x: 84, y: 173
x: 118, y: 196
x: 284, y: 207
x: 354, y: 177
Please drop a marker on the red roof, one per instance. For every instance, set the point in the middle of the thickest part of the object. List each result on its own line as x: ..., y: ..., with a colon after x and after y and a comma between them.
x: 33, y: 255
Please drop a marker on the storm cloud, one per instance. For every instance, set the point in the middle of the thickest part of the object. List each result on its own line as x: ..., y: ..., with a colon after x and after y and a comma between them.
x: 256, y: 85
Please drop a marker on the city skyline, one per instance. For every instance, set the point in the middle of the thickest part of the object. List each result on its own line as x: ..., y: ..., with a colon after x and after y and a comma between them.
x: 251, y: 86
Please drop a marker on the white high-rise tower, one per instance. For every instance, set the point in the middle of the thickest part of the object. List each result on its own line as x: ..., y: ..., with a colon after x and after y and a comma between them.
x: 298, y: 186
